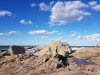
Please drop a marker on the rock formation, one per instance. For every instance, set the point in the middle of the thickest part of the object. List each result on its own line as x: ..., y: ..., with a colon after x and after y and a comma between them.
x: 29, y: 64
x: 16, y: 50
x: 57, y: 51
x: 56, y: 48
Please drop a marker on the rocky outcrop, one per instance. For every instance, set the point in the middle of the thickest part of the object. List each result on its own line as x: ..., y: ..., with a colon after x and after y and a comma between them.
x: 16, y: 50
x: 57, y: 51
x: 29, y: 64
x: 56, y: 48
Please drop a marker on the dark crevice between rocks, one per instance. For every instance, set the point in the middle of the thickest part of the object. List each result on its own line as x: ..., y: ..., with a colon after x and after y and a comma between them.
x: 63, y: 62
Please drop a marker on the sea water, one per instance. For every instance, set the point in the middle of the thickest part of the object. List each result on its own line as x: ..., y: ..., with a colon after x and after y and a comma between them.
x: 4, y: 47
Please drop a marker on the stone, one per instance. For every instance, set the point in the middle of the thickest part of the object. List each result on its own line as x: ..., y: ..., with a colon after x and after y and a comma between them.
x: 16, y: 50
x: 4, y: 53
x: 56, y: 48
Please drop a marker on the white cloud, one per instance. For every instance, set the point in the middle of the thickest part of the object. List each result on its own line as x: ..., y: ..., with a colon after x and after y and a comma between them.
x: 33, y: 5
x: 51, y: 4
x: 73, y: 34
x: 93, y: 37
x: 66, y: 12
x: 5, y: 13
x: 44, y: 7
x: 1, y: 34
x: 86, y: 40
x: 42, y: 33
x: 58, y: 38
x: 12, y: 32
x: 78, y: 37
x: 96, y: 7
x: 9, y: 33
x: 92, y: 3
x: 25, y: 22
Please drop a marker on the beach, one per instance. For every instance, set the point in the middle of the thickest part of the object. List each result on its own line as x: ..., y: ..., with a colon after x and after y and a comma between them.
x: 84, y: 61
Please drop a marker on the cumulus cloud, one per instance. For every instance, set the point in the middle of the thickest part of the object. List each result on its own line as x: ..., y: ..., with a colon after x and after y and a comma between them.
x: 96, y: 7
x: 33, y: 5
x: 5, y: 13
x: 9, y: 33
x: 66, y: 12
x: 12, y: 32
x: 42, y: 33
x: 93, y: 37
x: 44, y: 7
x: 88, y: 38
x: 25, y: 22
x: 92, y: 3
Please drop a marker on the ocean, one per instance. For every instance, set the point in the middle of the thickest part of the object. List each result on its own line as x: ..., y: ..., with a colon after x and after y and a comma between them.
x: 27, y: 51
x: 4, y: 47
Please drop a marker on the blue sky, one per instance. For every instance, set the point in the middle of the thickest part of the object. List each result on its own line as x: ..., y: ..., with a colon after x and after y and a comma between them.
x: 38, y: 22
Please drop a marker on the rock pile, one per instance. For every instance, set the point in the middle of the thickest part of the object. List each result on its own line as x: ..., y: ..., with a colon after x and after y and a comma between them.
x: 54, y: 59
x: 57, y: 51
x: 56, y: 48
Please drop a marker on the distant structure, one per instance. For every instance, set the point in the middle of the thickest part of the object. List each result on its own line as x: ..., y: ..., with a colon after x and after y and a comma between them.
x: 97, y: 46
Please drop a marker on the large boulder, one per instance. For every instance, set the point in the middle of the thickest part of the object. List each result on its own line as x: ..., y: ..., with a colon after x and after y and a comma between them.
x: 16, y: 50
x: 56, y: 48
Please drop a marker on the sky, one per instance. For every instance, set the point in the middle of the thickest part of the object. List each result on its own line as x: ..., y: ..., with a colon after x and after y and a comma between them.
x: 38, y: 22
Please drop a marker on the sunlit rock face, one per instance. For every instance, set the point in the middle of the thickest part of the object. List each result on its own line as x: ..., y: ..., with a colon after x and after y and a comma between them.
x: 56, y: 47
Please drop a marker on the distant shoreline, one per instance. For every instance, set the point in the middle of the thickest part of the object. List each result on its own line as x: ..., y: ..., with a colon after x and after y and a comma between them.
x: 73, y: 47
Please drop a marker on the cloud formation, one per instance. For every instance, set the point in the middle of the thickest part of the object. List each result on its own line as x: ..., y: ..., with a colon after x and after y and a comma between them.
x: 73, y: 34
x: 44, y: 7
x: 92, y: 3
x: 66, y: 12
x: 93, y: 37
x: 33, y: 5
x: 5, y: 13
x: 9, y: 33
x: 96, y: 7
x: 25, y: 22
x: 42, y: 33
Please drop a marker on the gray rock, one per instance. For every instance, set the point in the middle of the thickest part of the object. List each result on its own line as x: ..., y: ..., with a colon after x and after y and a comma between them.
x: 16, y: 50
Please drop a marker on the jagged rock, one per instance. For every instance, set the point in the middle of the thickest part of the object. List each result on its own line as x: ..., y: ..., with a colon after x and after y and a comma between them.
x: 23, y: 64
x: 16, y: 50
x: 57, y: 51
x: 62, y: 48
x: 56, y: 48
x: 4, y: 53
